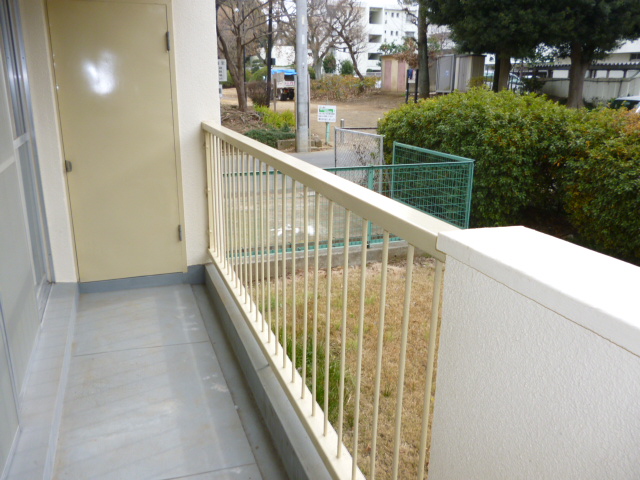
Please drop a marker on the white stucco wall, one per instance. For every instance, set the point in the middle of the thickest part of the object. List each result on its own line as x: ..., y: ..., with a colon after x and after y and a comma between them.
x: 538, y: 374
x: 196, y: 70
x: 197, y: 81
x: 595, y: 89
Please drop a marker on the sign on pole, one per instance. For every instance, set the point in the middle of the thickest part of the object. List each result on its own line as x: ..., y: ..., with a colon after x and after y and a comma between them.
x: 222, y: 70
x: 327, y: 113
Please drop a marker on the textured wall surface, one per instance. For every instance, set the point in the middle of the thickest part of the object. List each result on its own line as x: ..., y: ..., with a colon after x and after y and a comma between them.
x: 524, y: 391
x: 198, y: 100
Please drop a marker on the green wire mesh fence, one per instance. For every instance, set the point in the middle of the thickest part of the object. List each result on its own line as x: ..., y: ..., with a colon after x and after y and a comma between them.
x: 441, y: 188
x: 433, y: 182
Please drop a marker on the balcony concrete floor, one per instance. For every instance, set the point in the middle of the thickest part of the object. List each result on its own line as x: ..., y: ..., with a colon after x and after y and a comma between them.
x: 151, y: 392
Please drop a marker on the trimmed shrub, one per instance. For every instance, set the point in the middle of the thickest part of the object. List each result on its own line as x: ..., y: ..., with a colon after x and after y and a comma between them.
x: 257, y: 92
x: 514, y: 139
x: 270, y: 136
x: 534, y: 155
x: 329, y: 63
x: 276, y: 120
x: 601, y: 184
x: 346, y: 67
x: 339, y: 88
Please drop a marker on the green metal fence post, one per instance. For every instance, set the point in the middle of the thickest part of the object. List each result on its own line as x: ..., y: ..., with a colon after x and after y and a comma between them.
x: 370, y: 182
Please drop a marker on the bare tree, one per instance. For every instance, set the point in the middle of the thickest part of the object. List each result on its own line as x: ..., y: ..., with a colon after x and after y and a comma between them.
x: 347, y: 22
x: 241, y: 24
x: 321, y: 38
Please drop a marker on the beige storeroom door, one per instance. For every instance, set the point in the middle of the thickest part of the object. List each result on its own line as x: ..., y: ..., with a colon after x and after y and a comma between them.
x: 114, y: 88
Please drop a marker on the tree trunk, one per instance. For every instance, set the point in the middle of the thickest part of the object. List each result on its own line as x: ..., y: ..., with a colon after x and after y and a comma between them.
x: 423, y: 52
x: 579, y: 66
x: 496, y: 73
x: 317, y: 67
x: 239, y: 79
x: 352, y: 54
x: 238, y: 74
x: 505, y: 70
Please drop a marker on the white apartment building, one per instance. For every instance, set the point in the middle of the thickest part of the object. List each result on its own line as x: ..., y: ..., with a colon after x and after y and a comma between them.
x: 387, y: 21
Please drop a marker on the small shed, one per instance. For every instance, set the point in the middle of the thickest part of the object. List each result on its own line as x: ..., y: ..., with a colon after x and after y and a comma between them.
x: 394, y: 74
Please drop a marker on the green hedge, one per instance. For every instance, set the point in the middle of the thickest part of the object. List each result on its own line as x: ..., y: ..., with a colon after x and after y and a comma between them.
x: 277, y: 120
x: 535, y: 155
x: 270, y: 136
x: 601, y: 183
x: 341, y: 88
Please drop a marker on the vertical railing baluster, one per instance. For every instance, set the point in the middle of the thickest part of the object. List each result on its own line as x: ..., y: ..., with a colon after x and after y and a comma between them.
x: 221, y: 222
x: 343, y: 330
x: 267, y: 237
x: 276, y: 279
x: 243, y: 226
x: 284, y: 270
x: 403, y: 357
x: 363, y: 286
x: 294, y: 325
x: 376, y: 392
x: 433, y: 332
x: 216, y: 227
x: 210, y: 200
x: 250, y: 239
x: 229, y: 209
x: 327, y: 336
x: 263, y: 177
x: 314, y: 347
x: 238, y: 196
x: 248, y: 289
x: 255, y: 248
x: 236, y: 227
x: 305, y: 290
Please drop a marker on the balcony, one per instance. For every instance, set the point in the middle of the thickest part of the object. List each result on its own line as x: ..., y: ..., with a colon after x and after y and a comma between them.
x: 537, y: 356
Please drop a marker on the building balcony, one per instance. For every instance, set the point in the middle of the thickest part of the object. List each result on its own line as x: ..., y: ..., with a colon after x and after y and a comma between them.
x: 532, y: 344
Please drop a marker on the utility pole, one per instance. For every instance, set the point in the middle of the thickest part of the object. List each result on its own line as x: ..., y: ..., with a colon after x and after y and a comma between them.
x: 302, y: 90
x: 269, y: 52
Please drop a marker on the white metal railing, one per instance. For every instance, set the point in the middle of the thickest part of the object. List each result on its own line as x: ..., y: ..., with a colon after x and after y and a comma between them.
x: 285, y: 234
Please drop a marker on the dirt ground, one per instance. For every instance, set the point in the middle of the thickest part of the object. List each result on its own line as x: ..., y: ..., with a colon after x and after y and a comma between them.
x: 361, y: 112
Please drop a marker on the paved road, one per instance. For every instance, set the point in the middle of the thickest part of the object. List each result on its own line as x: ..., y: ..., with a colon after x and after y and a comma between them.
x: 322, y: 158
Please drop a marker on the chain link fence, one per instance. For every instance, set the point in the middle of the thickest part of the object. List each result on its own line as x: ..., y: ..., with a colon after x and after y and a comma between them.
x: 355, y: 148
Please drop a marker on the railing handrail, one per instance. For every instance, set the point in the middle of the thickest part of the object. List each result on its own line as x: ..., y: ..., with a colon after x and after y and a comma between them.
x: 417, y: 228
x: 395, y: 166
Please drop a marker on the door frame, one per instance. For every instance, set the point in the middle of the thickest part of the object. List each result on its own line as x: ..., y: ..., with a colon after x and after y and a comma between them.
x: 176, y: 131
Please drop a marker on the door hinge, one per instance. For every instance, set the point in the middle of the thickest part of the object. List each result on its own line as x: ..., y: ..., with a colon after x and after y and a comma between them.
x: 68, y: 166
x: 168, y: 36
x: 180, y: 232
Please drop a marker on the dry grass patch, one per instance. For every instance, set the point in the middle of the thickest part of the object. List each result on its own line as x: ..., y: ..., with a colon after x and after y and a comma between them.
x: 416, y: 363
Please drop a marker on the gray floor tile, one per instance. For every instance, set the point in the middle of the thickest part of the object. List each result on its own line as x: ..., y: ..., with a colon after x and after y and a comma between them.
x: 245, y: 472
x: 149, y: 413
x: 148, y: 317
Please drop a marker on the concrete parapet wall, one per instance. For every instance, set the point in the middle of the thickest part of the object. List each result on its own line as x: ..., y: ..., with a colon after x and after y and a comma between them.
x: 539, y: 368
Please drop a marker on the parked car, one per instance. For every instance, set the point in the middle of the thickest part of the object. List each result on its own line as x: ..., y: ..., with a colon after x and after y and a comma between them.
x: 515, y: 83
x: 631, y: 103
